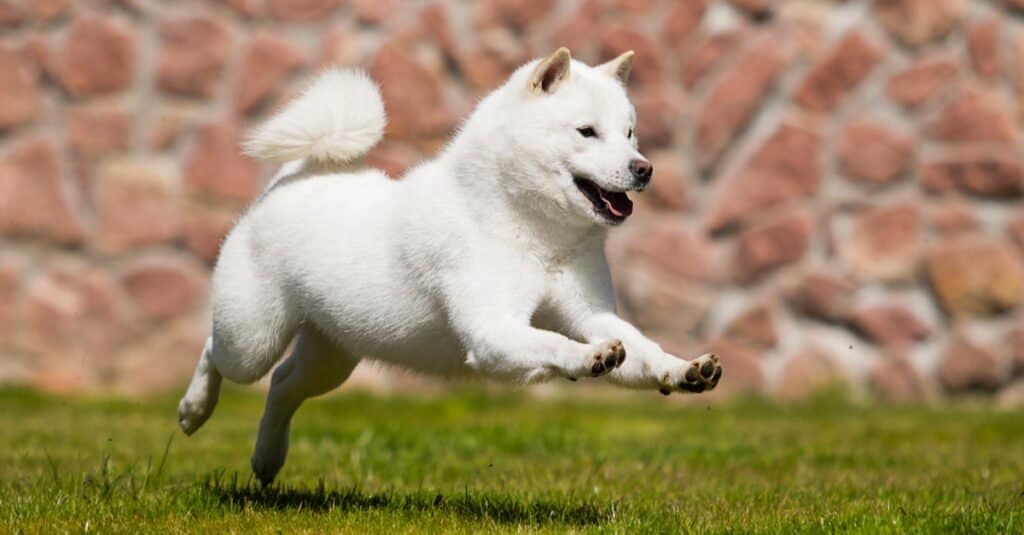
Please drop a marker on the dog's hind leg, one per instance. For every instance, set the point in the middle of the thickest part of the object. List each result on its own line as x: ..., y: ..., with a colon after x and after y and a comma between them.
x: 316, y: 366
x: 201, y: 397
x: 252, y: 325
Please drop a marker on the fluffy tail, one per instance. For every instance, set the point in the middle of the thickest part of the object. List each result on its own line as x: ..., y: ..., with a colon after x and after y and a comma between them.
x: 338, y: 119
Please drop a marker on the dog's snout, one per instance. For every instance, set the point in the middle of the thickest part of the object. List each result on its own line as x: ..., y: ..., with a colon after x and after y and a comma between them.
x: 641, y: 170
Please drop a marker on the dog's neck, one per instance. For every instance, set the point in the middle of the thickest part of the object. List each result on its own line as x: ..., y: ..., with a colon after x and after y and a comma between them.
x: 515, y: 218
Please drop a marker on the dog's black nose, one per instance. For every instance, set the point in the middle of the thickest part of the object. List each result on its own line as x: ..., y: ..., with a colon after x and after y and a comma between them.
x: 642, y: 170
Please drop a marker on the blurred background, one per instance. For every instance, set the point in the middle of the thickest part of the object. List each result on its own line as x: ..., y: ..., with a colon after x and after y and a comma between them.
x: 836, y: 199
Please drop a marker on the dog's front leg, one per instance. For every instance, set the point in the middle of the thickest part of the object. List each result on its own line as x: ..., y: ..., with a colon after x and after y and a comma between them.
x: 649, y: 366
x: 490, y: 309
x: 582, y: 304
x: 514, y: 350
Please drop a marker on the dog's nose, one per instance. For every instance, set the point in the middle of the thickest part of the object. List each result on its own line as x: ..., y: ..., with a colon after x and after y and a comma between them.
x: 642, y: 170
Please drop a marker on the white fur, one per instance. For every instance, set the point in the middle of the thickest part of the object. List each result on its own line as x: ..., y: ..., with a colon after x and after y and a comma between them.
x: 339, y: 118
x: 487, y: 259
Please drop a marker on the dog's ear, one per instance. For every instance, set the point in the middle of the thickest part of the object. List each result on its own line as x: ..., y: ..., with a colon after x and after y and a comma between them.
x: 619, y: 67
x: 550, y: 72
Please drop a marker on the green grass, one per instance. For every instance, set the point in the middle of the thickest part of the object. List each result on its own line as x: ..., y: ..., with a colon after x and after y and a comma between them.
x: 472, y: 462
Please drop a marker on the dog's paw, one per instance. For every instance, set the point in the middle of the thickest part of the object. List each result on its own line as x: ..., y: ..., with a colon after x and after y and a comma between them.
x: 607, y: 356
x: 698, y: 375
x: 193, y: 411
x: 266, y: 465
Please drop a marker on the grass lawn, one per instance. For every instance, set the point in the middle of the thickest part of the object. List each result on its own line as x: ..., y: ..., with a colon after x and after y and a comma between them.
x: 472, y: 462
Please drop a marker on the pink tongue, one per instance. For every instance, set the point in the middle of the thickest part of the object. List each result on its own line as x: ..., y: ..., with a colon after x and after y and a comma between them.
x: 625, y: 210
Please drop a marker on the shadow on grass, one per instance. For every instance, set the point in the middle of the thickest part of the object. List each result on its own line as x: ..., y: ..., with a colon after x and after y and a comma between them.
x: 475, y: 505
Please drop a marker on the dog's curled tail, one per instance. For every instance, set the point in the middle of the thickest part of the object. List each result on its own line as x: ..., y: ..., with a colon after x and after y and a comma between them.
x: 338, y: 119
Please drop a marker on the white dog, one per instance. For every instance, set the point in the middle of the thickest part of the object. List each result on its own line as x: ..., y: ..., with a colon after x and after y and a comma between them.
x: 487, y: 259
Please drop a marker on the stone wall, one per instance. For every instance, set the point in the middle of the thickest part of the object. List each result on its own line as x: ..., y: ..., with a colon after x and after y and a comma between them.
x: 836, y: 193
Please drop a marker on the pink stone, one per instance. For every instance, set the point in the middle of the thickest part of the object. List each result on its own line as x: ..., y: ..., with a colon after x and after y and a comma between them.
x: 974, y: 116
x: 658, y: 116
x: 20, y: 100
x: 267, y: 62
x: 302, y: 10
x: 844, y: 68
x: 683, y: 19
x: 99, y: 56
x: 889, y: 325
x: 517, y: 13
x: 755, y: 8
x: 1015, y: 343
x: 823, y: 295
x: 983, y: 44
x: 772, y: 244
x: 12, y: 274
x: 983, y: 173
x: 757, y: 325
x: 193, y: 55
x: 967, y: 365
x: 919, y: 22
x: 75, y: 318
x: 411, y: 114
x: 666, y: 307
x: 897, y: 381
x: 886, y: 242
x: 248, y: 8
x: 34, y: 202
x: 709, y: 54
x: 163, y: 288
x: 375, y: 11
x: 48, y: 10
x: 138, y: 202
x: 874, y: 153
x: 205, y: 229
x: 953, y: 217
x: 216, y: 166
x: 11, y: 14
x: 667, y: 244
x: 1015, y: 229
x: 923, y: 80
x: 785, y: 168
x: 735, y: 99
x: 97, y: 129
x: 498, y: 52
x: 808, y: 373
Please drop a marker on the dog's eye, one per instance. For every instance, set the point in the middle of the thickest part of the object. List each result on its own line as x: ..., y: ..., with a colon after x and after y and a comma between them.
x: 587, y: 131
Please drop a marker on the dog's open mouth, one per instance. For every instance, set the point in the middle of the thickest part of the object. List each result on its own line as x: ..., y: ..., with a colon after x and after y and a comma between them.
x: 614, y: 206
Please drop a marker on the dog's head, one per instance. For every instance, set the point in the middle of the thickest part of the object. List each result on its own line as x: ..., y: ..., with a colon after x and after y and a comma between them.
x: 573, y: 127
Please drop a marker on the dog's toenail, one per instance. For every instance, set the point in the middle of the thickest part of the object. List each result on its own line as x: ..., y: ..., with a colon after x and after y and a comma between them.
x: 664, y: 391
x: 707, y: 369
x: 573, y: 379
x: 691, y: 375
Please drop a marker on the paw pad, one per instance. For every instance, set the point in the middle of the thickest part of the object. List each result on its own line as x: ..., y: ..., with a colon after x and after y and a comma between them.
x: 702, y: 373
x: 609, y: 355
